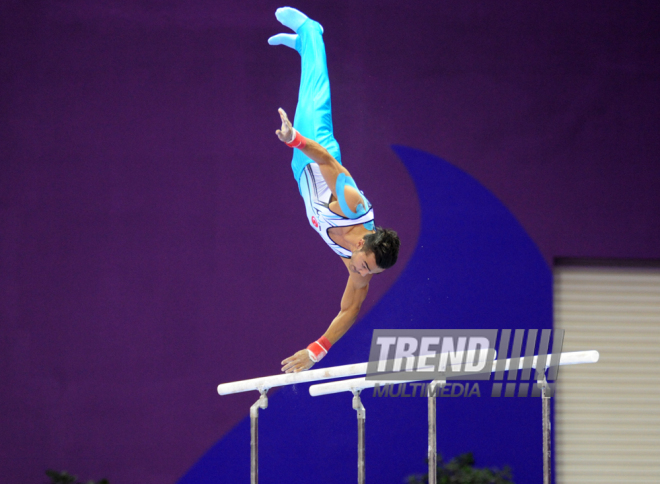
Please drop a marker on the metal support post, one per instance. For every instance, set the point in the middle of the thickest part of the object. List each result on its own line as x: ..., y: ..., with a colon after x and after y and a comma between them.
x: 547, y: 463
x: 361, y: 415
x: 433, y: 441
x: 254, y: 434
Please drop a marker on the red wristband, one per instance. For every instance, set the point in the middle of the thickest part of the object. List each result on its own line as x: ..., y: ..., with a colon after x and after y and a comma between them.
x: 319, y: 348
x: 298, y: 141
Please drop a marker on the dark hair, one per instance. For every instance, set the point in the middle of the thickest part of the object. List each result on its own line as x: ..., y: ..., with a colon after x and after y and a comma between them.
x: 384, y: 244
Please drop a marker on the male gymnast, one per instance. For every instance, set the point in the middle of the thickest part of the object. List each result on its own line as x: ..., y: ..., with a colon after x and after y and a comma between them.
x: 336, y: 208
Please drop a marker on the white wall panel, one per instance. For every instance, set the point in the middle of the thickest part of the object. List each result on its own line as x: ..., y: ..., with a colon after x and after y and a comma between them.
x: 607, y: 415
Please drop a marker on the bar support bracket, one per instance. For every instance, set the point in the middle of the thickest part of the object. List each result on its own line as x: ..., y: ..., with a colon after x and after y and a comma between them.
x: 361, y: 416
x: 262, y: 403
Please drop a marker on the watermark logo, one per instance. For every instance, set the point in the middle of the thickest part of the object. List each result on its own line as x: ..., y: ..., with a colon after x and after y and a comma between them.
x: 457, y: 360
x: 414, y: 389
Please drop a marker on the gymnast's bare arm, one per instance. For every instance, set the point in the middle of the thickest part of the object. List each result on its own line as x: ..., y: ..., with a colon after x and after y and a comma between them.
x: 330, y: 168
x: 356, y: 291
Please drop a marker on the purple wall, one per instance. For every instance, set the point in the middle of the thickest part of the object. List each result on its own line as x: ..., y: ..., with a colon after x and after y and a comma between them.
x: 152, y: 241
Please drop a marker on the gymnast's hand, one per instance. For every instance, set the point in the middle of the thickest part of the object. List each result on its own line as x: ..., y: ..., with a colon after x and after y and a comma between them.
x: 298, y: 362
x: 286, y: 133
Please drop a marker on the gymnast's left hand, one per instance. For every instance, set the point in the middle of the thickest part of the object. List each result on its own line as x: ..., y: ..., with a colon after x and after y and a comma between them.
x: 285, y: 134
x: 298, y: 362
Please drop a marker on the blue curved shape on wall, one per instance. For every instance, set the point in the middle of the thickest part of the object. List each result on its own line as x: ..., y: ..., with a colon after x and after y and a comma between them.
x: 474, y: 267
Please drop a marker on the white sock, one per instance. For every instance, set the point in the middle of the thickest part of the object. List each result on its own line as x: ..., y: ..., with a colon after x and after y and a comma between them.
x: 284, y: 39
x: 290, y: 17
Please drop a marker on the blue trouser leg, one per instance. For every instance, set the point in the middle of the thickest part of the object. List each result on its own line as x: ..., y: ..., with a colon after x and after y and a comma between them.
x: 313, y: 118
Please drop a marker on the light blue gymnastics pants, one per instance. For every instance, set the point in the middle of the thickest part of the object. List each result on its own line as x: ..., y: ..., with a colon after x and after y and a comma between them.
x: 313, y: 118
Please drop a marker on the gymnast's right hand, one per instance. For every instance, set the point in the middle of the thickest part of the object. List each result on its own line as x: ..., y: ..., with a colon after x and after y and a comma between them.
x: 285, y: 134
x: 298, y: 362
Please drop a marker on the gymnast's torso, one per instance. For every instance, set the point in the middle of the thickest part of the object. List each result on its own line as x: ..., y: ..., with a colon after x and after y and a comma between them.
x: 325, y: 214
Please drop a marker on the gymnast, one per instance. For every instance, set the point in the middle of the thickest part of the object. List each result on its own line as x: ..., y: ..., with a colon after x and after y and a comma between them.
x: 335, y: 207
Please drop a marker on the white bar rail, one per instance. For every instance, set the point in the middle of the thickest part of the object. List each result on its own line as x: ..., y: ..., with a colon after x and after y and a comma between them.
x: 572, y: 358
x: 267, y: 382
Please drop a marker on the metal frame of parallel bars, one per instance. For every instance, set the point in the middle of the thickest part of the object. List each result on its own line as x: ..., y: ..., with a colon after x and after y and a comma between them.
x: 356, y: 386
x: 433, y: 441
x: 361, y: 416
x: 433, y: 429
x: 262, y: 403
x: 545, y: 398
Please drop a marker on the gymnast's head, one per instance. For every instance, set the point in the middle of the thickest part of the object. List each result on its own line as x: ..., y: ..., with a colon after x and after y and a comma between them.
x: 376, y: 252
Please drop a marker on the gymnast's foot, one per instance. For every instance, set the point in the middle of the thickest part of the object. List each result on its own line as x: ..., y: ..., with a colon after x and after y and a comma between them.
x: 284, y: 39
x: 292, y: 18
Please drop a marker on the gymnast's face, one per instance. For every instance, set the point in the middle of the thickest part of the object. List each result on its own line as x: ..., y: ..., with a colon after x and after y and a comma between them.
x: 363, y: 263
